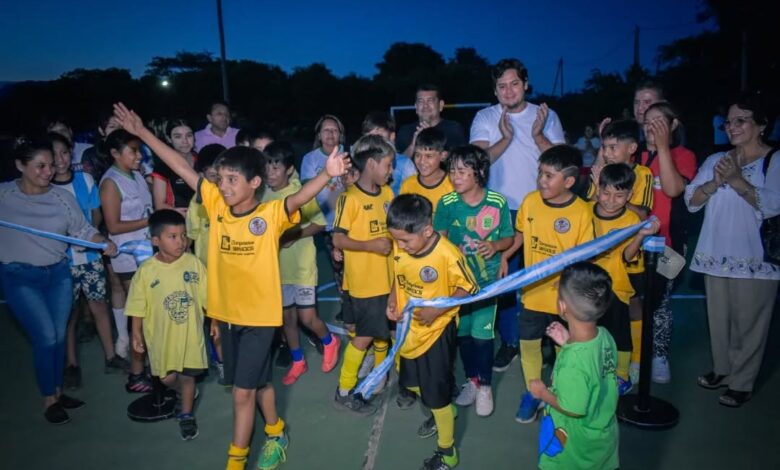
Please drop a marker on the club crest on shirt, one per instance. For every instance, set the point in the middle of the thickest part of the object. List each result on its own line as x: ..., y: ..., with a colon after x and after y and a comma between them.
x: 428, y: 274
x: 562, y: 225
x: 257, y: 226
x: 191, y: 276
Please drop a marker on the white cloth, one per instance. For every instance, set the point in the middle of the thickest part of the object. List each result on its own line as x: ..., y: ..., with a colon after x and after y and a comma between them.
x: 513, y: 174
x: 312, y: 164
x: 729, y: 242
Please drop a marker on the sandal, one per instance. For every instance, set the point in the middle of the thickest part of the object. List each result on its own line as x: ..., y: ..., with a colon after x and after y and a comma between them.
x: 734, y: 399
x: 138, y: 383
x: 711, y: 381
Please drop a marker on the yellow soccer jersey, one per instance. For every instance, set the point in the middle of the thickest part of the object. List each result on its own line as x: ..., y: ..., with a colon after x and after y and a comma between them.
x: 437, y: 273
x: 245, y: 287
x: 413, y: 185
x: 298, y: 262
x: 643, y: 187
x: 198, y: 229
x: 170, y: 297
x: 363, y: 216
x: 612, y: 260
x: 548, y: 230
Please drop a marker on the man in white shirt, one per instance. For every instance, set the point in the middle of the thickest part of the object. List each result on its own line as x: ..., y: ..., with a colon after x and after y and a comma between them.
x: 514, y: 132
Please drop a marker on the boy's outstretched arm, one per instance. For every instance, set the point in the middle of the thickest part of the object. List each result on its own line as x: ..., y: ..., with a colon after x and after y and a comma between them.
x: 539, y: 390
x: 133, y: 124
x: 632, y: 249
x: 336, y: 165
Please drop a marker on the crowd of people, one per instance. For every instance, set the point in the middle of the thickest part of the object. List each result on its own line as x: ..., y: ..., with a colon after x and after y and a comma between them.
x: 429, y: 212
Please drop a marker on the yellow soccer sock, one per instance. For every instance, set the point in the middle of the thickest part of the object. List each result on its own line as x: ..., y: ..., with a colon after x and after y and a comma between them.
x: 237, y: 457
x: 445, y: 426
x: 275, y: 430
x: 636, y: 339
x: 348, y: 378
x: 531, y: 360
x: 380, y: 351
x: 624, y: 359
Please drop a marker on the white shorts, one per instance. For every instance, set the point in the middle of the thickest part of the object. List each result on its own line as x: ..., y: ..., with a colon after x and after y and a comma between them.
x: 294, y: 295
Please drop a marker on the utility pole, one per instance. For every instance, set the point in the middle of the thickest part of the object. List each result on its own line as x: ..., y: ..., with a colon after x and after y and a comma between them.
x: 223, y: 63
x: 636, y: 46
x: 558, y: 74
x: 560, y: 67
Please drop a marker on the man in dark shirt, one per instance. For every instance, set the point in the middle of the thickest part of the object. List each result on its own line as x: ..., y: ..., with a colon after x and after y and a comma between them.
x: 429, y: 105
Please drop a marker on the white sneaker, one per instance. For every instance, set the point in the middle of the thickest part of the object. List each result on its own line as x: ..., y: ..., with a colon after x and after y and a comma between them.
x: 468, y: 393
x: 484, y: 400
x: 122, y: 347
x: 633, y: 372
x: 367, y: 365
x: 661, y: 373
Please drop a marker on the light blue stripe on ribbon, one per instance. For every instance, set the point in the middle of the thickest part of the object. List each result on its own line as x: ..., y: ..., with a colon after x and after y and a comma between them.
x: 512, y: 282
x: 140, y: 249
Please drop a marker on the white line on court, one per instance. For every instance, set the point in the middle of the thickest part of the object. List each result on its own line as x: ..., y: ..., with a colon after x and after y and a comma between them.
x: 376, y: 428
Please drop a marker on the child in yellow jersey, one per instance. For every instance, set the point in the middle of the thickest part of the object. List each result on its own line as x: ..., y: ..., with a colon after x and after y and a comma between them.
x: 426, y: 266
x: 431, y: 181
x: 244, y: 291
x: 620, y: 141
x: 166, y: 301
x: 298, y: 264
x: 610, y: 213
x: 549, y: 222
x: 360, y: 231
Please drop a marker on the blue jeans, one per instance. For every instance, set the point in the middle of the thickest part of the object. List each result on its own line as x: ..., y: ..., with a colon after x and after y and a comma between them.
x: 508, y: 304
x: 40, y: 297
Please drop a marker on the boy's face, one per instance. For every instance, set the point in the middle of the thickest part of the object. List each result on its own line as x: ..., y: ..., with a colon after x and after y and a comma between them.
x: 276, y: 175
x: 172, y: 242
x: 381, y: 131
x: 462, y: 177
x: 62, y: 158
x: 551, y: 182
x: 211, y: 174
x: 618, y: 151
x: 412, y: 243
x: 428, y: 161
x: 235, y: 188
x: 380, y: 170
x: 612, y: 200
x: 261, y: 143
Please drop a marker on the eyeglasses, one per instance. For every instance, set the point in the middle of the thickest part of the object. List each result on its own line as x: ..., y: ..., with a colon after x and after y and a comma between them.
x: 736, y: 122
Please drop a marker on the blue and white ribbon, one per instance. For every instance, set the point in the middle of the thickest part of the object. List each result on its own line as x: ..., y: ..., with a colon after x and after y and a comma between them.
x: 140, y: 249
x: 512, y: 282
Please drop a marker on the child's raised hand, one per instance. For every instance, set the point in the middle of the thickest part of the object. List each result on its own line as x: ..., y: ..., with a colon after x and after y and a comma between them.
x: 338, y: 163
x: 537, y: 388
x: 558, y: 333
x: 486, y: 249
x: 661, y: 132
x: 128, y: 119
x: 603, y: 124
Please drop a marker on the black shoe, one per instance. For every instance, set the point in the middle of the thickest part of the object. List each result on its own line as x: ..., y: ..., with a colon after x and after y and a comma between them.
x: 355, y: 403
x: 439, y: 461
x: 711, y: 381
x: 72, y: 377
x: 56, y: 414
x: 70, y: 403
x: 734, y: 399
x: 283, y: 356
x: 505, y: 355
x: 405, y: 399
x: 116, y: 364
x: 188, y: 427
x: 427, y: 428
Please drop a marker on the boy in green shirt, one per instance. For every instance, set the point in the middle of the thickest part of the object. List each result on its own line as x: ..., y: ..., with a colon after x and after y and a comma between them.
x: 579, y: 430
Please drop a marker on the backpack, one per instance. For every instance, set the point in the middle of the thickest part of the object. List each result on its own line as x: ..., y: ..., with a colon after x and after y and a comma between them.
x: 770, y: 228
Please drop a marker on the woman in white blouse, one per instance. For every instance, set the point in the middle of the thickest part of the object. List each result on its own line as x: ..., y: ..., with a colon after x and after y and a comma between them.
x: 741, y: 287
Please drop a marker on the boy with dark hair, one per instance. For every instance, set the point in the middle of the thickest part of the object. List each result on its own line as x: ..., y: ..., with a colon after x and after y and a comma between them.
x: 610, y: 213
x: 166, y: 300
x: 477, y: 221
x: 550, y: 221
x: 298, y: 264
x: 245, y: 290
x: 580, y: 430
x: 427, y: 266
x: 197, y: 218
x: 382, y: 124
x: 431, y: 181
x: 360, y: 231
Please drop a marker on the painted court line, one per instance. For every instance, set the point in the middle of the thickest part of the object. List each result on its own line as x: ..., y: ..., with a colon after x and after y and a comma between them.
x: 376, y: 429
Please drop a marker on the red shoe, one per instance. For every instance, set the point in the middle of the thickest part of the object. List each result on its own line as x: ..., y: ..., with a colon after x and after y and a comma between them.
x: 331, y: 355
x: 298, y: 369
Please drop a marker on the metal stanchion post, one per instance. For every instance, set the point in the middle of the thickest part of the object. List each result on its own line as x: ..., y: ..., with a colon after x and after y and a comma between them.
x: 155, y: 406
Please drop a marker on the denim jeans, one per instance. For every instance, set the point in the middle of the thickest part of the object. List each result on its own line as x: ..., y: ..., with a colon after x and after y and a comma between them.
x: 40, y: 297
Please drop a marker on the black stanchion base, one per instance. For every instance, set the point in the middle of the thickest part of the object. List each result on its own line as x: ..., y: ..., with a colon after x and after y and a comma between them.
x: 658, y: 415
x: 153, y: 407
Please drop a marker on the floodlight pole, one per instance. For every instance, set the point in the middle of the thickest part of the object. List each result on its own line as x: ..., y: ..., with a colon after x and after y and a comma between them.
x: 223, y: 63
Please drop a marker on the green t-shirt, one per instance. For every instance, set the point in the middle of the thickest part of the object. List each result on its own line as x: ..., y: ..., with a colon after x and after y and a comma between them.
x: 585, y: 384
x: 466, y: 225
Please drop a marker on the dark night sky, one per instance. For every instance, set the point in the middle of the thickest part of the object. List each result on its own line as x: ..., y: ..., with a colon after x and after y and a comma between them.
x: 41, y: 39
